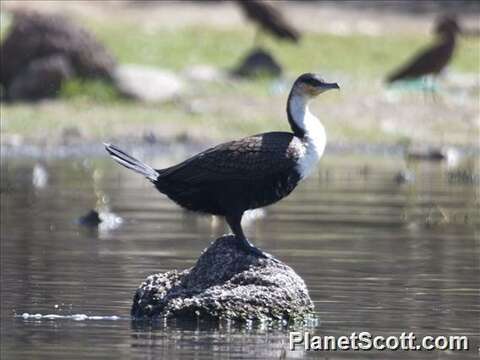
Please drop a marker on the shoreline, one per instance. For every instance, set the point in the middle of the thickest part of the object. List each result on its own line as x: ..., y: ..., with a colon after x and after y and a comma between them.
x: 365, y: 117
x: 95, y: 149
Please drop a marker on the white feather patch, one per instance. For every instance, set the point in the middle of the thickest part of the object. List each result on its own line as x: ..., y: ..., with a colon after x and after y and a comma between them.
x: 315, y: 138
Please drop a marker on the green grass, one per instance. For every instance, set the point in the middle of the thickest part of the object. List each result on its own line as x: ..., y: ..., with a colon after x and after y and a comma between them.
x: 5, y: 22
x: 99, y: 121
x: 359, y: 55
x: 97, y: 111
x: 93, y: 90
x: 356, y: 54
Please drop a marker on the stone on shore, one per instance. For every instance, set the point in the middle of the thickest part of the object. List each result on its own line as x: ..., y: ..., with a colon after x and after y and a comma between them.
x: 53, y: 43
x: 225, y: 283
x: 204, y: 73
x: 258, y: 62
x: 41, y: 79
x: 147, y: 84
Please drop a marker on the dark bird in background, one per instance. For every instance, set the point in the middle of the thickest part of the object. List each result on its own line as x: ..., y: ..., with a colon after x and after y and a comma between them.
x: 269, y: 19
x: 434, y: 59
x: 249, y: 173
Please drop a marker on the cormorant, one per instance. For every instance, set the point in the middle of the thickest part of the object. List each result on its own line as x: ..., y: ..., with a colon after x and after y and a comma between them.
x: 249, y: 173
x: 432, y: 60
x: 269, y: 18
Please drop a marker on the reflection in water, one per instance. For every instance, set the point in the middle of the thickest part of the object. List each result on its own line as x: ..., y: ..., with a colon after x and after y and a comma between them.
x: 376, y: 254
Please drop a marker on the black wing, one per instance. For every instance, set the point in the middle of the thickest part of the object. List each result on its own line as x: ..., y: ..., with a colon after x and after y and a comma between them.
x: 270, y: 18
x: 428, y: 61
x: 246, y: 159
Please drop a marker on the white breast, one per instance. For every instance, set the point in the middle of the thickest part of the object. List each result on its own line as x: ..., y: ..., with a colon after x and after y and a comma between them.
x: 314, y: 143
x: 315, y: 137
x: 313, y: 151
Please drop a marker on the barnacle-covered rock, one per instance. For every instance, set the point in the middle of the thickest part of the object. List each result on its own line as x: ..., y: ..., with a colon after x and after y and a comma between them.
x: 225, y: 283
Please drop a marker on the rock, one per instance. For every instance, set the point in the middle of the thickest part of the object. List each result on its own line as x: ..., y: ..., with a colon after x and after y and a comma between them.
x: 449, y: 154
x: 404, y: 177
x: 90, y: 219
x: 42, y: 78
x: 39, y: 176
x: 71, y: 135
x: 149, y: 138
x: 35, y: 36
x: 225, y: 283
x: 258, y: 63
x: 463, y: 176
x: 104, y: 220
x: 147, y: 83
x: 426, y: 153
x: 203, y: 73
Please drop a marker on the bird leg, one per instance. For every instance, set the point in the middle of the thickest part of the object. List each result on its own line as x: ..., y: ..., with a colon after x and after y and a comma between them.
x: 429, y: 88
x: 234, y: 221
x: 257, y: 39
x: 434, y: 86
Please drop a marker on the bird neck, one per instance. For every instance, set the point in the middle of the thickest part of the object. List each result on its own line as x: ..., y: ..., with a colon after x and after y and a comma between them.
x: 302, y: 122
x: 448, y: 37
x: 309, y: 129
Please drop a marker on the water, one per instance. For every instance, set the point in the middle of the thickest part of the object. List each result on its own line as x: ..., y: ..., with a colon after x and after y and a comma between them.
x: 376, y: 255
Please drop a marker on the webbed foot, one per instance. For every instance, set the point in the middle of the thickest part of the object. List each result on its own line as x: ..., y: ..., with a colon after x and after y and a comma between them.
x: 252, y: 249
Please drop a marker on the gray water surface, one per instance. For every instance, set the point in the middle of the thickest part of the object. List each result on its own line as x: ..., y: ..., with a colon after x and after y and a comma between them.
x: 376, y: 255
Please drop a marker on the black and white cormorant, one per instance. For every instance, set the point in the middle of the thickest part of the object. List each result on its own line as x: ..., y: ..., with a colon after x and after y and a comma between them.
x: 249, y: 173
x: 434, y: 59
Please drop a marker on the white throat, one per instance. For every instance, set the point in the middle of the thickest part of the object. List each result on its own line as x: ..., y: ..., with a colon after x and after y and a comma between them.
x: 315, y: 138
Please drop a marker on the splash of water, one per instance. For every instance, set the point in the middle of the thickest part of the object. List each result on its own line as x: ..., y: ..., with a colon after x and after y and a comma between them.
x: 76, y: 317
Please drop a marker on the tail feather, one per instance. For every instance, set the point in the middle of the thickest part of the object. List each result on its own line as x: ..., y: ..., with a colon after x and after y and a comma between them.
x: 131, y: 163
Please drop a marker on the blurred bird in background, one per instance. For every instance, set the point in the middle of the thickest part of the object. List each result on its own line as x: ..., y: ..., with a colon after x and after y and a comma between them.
x: 269, y: 19
x: 434, y: 59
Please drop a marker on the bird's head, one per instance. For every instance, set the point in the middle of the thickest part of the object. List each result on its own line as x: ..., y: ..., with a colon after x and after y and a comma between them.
x: 304, y: 89
x: 447, y: 25
x: 310, y: 85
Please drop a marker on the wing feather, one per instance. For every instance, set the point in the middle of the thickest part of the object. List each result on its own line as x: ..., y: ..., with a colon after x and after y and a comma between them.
x: 427, y: 61
x: 246, y: 159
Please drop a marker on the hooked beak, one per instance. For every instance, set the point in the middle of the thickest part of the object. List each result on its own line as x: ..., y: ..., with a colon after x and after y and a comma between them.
x: 329, y: 86
x: 324, y: 86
